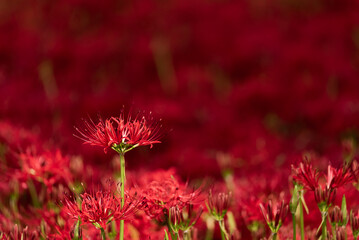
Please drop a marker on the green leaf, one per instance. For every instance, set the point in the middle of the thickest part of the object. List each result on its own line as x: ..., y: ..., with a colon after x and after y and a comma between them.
x: 166, y: 235
x: 344, y: 210
x: 304, y: 204
x: 293, y: 204
x: 77, y: 230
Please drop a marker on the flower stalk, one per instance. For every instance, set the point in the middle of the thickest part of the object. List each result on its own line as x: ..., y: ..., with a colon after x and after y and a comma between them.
x: 103, y: 234
x: 294, y: 220
x: 274, y: 216
x: 301, y: 220
x: 324, y: 226
x: 224, y: 233
x: 218, y: 206
x: 123, y: 176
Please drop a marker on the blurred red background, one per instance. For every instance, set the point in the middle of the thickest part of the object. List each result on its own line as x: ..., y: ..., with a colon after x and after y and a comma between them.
x: 257, y: 82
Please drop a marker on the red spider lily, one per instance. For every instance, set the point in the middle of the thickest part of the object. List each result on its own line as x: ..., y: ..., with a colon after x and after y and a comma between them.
x: 338, y: 178
x: 336, y: 217
x: 218, y: 205
x: 18, y: 234
x: 120, y: 134
x: 335, y: 178
x: 48, y: 168
x: 100, y: 208
x: 306, y: 176
x: 324, y: 197
x: 339, y: 234
x: 183, y: 218
x: 275, y: 215
x: 160, y: 196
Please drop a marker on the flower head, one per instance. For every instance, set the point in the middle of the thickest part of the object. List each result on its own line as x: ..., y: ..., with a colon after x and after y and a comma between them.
x: 275, y: 215
x: 120, y: 134
x: 325, y: 190
x: 339, y: 177
x: 337, y: 217
x: 49, y: 168
x: 183, y: 218
x: 306, y: 176
x: 218, y: 204
x: 160, y: 196
x: 100, y: 208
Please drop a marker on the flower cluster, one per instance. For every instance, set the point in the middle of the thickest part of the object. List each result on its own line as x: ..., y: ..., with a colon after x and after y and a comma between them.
x: 100, y: 208
x: 274, y: 215
x: 161, y: 196
x: 324, y: 193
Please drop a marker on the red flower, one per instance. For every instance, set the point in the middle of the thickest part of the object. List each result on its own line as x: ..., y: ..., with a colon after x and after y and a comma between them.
x: 183, y: 218
x: 218, y: 205
x: 120, y: 134
x: 18, y: 234
x: 324, y: 193
x: 160, y: 196
x: 306, y: 176
x: 100, y: 208
x: 338, y: 178
x: 49, y: 168
x: 275, y: 215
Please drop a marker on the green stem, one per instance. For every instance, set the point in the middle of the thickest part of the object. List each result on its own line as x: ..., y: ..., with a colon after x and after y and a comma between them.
x: 113, y: 230
x: 77, y: 230
x: 222, y: 235
x: 223, y: 230
x: 274, y: 236
x: 103, y: 234
x: 333, y: 232
x: 173, y: 235
x: 324, y: 227
x: 33, y: 193
x: 294, y: 226
x: 301, y: 220
x: 123, y: 177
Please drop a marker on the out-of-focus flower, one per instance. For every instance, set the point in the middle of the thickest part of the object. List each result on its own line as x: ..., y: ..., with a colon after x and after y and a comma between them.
x: 336, y: 217
x: 324, y: 197
x: 218, y: 204
x: 306, y: 175
x: 18, y: 234
x: 48, y: 168
x: 160, y: 196
x: 100, y: 208
x: 338, y: 234
x: 338, y: 178
x: 183, y: 218
x: 120, y: 134
x: 275, y: 215
x: 324, y: 193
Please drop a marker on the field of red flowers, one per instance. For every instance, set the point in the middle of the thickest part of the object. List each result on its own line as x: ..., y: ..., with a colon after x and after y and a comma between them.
x: 179, y: 119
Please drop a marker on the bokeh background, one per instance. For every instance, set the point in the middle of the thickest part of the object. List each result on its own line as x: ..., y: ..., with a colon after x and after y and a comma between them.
x: 245, y: 86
